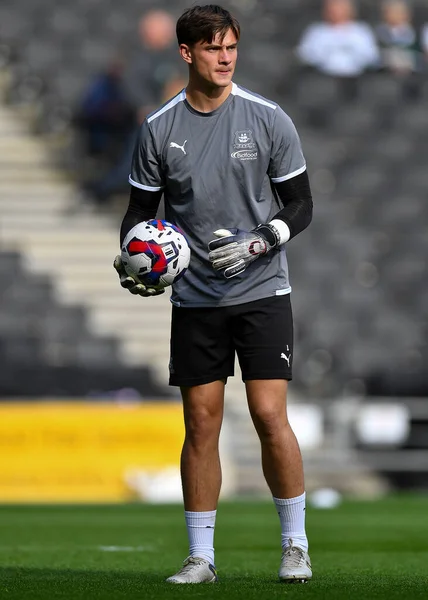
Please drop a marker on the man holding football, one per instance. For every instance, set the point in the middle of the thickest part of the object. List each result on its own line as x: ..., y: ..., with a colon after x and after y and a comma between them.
x: 230, y: 166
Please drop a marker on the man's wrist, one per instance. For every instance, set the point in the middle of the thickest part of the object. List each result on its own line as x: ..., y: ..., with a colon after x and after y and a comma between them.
x: 282, y: 230
x: 270, y: 233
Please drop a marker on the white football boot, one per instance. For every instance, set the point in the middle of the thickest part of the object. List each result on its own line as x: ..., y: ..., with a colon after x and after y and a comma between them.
x: 295, y: 565
x: 195, y: 570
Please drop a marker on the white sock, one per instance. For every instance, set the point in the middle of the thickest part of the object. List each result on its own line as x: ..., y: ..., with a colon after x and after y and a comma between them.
x: 200, y: 529
x: 291, y: 513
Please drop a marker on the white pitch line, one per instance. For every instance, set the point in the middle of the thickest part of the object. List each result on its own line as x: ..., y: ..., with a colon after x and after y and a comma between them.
x: 48, y: 548
x: 125, y: 548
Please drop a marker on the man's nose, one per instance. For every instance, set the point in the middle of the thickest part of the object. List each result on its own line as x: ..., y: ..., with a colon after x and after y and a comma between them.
x: 224, y: 57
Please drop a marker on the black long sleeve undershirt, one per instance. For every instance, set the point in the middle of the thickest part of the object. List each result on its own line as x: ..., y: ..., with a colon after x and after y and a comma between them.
x: 143, y: 206
x: 296, y: 197
x: 294, y: 194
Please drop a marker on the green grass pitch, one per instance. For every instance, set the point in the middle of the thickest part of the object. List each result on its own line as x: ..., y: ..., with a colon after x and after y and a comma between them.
x: 360, y: 550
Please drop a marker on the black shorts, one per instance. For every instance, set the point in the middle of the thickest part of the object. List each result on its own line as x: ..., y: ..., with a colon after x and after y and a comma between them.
x: 204, y: 342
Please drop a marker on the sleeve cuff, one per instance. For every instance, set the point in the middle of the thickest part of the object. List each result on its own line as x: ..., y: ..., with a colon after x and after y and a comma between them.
x: 147, y: 188
x: 282, y: 229
x: 289, y: 176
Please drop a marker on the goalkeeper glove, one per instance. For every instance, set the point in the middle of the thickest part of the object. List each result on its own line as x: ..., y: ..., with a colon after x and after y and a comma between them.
x: 235, y: 249
x: 129, y: 283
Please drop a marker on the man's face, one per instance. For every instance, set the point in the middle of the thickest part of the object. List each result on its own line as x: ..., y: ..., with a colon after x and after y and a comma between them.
x: 396, y: 14
x: 338, y: 11
x: 214, y: 62
x: 157, y: 30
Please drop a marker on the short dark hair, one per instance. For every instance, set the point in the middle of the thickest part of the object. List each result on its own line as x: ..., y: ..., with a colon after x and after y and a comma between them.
x: 203, y: 23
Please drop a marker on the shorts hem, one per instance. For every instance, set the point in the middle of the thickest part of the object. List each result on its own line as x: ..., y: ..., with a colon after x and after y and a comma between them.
x: 265, y: 376
x: 191, y: 381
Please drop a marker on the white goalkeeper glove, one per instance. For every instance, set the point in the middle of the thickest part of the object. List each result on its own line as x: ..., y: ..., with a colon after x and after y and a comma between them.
x: 129, y: 283
x: 235, y: 249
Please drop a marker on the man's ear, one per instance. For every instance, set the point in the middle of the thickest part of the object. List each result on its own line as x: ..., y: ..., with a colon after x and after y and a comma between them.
x: 185, y: 53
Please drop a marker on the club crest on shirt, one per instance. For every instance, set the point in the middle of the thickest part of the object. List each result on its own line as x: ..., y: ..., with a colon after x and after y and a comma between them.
x: 244, y: 140
x: 244, y: 145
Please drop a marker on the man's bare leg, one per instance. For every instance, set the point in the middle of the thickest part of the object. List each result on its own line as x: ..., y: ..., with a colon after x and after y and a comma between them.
x: 281, y: 457
x: 283, y: 470
x: 200, y: 460
x: 201, y: 478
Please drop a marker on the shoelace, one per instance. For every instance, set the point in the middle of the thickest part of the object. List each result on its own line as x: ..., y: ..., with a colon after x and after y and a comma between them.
x: 189, y: 563
x: 294, y: 554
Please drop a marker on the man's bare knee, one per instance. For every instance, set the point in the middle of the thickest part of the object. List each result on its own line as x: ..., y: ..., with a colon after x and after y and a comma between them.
x: 203, y: 413
x: 202, y: 426
x: 268, y: 421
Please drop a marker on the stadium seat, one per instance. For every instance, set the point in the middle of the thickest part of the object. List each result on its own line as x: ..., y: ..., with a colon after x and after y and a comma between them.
x: 42, y: 336
x: 354, y: 119
x: 380, y: 89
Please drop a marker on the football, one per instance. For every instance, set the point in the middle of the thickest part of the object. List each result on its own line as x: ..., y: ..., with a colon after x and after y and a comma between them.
x: 155, y: 253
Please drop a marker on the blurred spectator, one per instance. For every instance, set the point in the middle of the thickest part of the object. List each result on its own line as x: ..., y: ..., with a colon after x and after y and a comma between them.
x: 340, y: 45
x: 156, y: 64
x: 105, y: 116
x: 397, y: 38
x: 153, y: 76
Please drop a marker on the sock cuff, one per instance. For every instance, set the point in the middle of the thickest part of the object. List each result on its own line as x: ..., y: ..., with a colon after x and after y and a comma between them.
x: 200, y: 520
x: 287, y: 501
x: 208, y: 514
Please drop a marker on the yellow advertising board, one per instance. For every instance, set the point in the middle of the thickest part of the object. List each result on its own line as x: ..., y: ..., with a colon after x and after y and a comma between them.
x: 81, y: 451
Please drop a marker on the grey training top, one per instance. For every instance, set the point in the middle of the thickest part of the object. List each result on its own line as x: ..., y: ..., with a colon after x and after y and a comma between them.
x: 216, y: 171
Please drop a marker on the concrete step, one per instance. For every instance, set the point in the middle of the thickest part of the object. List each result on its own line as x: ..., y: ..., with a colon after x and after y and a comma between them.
x: 47, y: 250
x: 107, y: 292
x: 74, y: 231
x: 51, y: 186
x: 29, y: 222
x: 67, y: 259
x: 134, y: 306
x: 143, y: 352
x: 156, y: 307
x: 12, y: 157
x: 130, y: 332
x: 53, y: 223
x: 30, y: 145
x: 38, y: 194
x: 65, y: 239
x: 10, y: 126
x: 69, y: 235
x: 108, y: 297
x: 74, y: 277
x: 32, y: 175
x: 136, y: 324
x: 24, y: 206
x: 81, y: 270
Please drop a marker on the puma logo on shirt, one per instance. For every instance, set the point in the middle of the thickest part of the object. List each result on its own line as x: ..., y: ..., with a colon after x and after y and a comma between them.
x: 175, y: 145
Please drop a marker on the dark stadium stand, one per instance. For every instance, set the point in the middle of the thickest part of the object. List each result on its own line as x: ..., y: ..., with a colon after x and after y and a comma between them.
x: 359, y: 274
x: 47, y: 350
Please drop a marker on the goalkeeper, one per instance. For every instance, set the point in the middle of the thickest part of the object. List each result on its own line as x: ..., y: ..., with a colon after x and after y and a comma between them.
x: 231, y: 169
